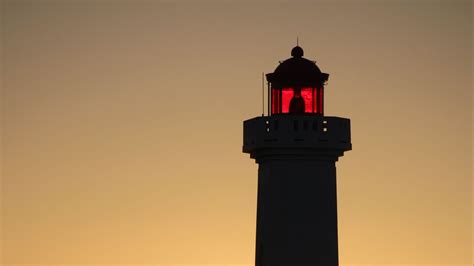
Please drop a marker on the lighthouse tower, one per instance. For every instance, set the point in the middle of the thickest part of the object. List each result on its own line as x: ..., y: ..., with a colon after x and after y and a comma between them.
x: 296, y: 148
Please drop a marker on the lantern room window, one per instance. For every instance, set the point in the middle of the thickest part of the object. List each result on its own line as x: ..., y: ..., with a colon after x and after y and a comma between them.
x: 297, y: 101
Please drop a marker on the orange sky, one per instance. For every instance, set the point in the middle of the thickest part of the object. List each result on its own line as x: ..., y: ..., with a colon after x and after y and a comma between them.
x: 122, y: 127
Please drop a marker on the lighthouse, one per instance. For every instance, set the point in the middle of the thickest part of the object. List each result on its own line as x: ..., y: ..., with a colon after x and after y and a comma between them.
x: 296, y: 148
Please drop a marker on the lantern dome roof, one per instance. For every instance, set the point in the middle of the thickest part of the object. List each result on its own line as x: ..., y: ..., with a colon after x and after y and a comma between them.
x: 297, y: 71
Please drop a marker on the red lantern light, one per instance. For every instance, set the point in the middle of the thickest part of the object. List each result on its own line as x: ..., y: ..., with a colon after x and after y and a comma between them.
x: 281, y: 100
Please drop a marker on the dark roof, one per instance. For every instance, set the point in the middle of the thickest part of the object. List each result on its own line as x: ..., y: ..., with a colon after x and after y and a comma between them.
x: 297, y: 71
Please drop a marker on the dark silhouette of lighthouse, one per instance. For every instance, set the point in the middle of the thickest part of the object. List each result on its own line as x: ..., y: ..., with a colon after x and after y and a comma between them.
x: 296, y: 148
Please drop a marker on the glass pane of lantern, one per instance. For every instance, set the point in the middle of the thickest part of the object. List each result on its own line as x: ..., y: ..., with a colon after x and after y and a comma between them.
x: 286, y: 95
x: 307, y: 95
x: 315, y: 98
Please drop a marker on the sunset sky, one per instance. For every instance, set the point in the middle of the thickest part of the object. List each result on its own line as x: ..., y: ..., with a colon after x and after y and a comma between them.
x: 122, y: 127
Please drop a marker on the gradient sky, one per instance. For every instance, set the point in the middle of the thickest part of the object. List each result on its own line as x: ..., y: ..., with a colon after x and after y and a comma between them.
x: 122, y: 127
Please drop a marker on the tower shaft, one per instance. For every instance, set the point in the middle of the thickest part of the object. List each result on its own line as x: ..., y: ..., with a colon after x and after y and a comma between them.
x: 297, y: 213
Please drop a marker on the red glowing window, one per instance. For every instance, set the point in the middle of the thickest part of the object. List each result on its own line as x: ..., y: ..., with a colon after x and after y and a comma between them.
x: 307, y: 94
x: 286, y: 96
x: 281, y: 100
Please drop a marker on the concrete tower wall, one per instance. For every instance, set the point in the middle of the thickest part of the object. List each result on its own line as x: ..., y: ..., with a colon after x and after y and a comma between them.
x: 297, y: 213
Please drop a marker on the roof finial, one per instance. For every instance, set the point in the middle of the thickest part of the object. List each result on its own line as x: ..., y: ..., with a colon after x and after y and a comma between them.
x: 297, y: 41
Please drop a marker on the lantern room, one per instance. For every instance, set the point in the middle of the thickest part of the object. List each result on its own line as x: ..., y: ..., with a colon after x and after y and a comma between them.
x: 296, y: 86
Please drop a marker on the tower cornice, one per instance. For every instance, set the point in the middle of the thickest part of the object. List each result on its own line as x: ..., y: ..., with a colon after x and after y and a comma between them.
x: 313, y: 137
